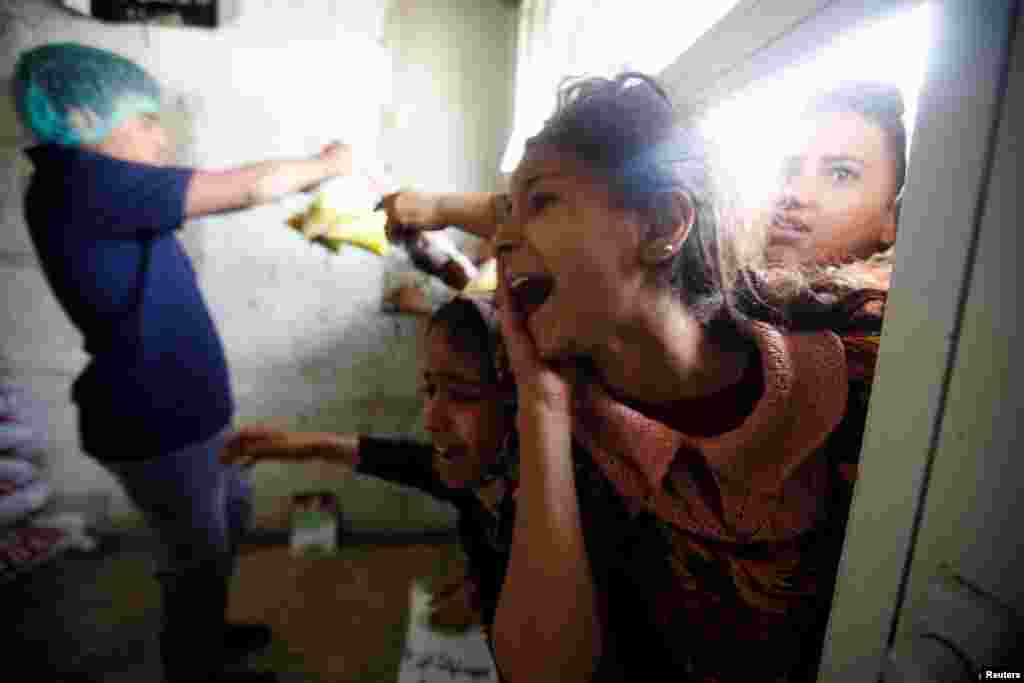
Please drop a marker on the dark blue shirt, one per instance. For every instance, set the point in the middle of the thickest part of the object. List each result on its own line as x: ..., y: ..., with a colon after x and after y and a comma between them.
x: 103, y: 229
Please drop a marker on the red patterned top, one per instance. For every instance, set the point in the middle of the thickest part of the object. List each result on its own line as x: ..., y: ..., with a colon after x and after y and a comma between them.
x: 722, y: 556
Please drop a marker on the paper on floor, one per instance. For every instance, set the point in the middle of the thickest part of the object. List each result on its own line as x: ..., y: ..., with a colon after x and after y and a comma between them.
x: 432, y: 657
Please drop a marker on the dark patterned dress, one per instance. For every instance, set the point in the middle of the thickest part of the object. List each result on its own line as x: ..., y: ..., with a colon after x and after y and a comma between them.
x: 700, y: 574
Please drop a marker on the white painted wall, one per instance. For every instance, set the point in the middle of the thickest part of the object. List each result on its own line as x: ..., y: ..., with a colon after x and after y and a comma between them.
x: 970, y: 526
x: 424, y: 84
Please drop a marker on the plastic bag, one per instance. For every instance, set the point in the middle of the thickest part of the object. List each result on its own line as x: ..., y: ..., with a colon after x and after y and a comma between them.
x: 323, y: 224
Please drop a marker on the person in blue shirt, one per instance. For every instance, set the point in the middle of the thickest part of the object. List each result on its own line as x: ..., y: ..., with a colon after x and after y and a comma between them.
x: 154, y: 402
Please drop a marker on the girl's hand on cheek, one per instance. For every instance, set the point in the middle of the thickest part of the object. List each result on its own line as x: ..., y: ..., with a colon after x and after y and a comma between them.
x: 539, y: 385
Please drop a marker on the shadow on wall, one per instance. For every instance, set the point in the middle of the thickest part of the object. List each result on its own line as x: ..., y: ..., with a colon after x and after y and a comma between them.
x: 12, y: 134
x: 359, y: 377
x: 376, y: 364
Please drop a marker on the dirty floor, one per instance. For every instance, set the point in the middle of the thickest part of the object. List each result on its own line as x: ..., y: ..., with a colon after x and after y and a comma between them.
x: 93, y: 617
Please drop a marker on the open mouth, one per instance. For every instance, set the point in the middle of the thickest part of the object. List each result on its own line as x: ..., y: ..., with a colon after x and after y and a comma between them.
x: 529, y: 292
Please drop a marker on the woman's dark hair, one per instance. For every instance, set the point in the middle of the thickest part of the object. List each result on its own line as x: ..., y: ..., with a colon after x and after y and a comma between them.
x: 472, y: 329
x: 879, y: 103
x: 625, y: 130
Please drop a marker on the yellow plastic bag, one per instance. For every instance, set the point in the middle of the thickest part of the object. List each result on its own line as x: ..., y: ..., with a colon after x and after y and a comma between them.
x: 364, y: 230
x: 332, y: 228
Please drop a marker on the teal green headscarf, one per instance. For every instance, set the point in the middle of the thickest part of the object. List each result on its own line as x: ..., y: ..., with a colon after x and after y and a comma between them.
x: 72, y: 94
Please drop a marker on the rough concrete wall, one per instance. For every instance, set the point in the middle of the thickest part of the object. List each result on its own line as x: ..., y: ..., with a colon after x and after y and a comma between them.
x: 424, y: 85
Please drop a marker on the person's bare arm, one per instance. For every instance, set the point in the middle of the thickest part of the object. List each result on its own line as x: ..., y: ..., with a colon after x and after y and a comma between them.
x: 212, y: 192
x: 474, y: 212
x: 477, y: 213
x: 547, y: 625
x: 260, y: 443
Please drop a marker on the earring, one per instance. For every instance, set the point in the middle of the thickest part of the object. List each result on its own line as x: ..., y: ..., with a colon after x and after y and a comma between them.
x: 659, y: 251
